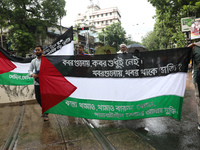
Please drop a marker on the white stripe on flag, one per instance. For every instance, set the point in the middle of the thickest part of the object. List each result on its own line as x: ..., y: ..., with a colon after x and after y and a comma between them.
x: 128, y: 89
x: 21, y: 67
x: 65, y: 50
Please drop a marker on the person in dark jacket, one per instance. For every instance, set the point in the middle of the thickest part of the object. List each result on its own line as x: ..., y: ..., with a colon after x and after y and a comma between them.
x: 196, y: 75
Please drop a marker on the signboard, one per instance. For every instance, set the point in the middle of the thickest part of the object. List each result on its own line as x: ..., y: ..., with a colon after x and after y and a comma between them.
x: 195, y: 29
x: 186, y: 23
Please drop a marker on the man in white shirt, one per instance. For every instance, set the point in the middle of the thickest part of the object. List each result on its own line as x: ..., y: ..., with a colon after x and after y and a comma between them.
x: 34, y: 72
x: 123, y: 49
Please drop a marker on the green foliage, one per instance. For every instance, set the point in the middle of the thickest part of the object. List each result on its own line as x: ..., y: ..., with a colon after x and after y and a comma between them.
x: 21, y: 39
x: 168, y: 20
x: 28, y: 20
x: 129, y: 42
x: 114, y: 35
x: 151, y: 41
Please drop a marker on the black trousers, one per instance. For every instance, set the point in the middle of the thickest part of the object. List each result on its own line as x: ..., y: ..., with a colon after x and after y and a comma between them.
x: 37, y: 94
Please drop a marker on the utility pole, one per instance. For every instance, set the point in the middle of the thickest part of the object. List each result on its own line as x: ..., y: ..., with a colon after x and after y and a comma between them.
x: 60, y: 26
x: 77, y: 37
x: 104, y: 38
x: 1, y: 37
x: 88, y: 41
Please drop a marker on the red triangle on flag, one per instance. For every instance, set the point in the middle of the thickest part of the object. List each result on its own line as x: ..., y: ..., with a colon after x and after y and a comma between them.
x: 54, y: 88
x: 6, y: 64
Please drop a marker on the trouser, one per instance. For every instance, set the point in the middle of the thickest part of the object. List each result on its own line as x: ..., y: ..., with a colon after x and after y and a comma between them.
x: 197, y: 98
x: 37, y: 94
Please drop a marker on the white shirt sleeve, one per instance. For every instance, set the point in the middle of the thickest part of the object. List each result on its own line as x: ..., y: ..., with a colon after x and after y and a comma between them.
x: 31, y: 68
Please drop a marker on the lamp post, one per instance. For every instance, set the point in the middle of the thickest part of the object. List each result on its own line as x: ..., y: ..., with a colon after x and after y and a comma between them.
x: 86, y: 23
x: 88, y: 41
x: 104, y: 38
x: 1, y: 38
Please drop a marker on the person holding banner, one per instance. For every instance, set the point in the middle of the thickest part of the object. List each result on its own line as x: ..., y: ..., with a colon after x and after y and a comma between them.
x: 196, y: 75
x: 123, y: 49
x: 80, y: 49
x: 34, y: 72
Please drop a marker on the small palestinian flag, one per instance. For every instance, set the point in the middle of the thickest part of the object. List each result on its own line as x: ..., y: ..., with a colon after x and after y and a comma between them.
x: 17, y: 75
x: 14, y: 70
x: 115, y: 87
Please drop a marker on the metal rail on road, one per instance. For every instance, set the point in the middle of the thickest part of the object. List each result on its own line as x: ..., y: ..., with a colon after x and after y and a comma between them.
x: 105, y: 143
x: 9, y: 144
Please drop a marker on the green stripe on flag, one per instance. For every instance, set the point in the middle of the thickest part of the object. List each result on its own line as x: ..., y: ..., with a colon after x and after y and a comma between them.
x: 118, y: 110
x: 11, y: 78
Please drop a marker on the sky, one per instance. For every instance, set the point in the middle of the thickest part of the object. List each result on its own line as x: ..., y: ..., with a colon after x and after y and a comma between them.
x: 136, y: 15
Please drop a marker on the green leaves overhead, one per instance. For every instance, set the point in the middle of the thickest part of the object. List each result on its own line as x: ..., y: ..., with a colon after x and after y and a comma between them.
x: 168, y: 21
x: 114, y: 35
x: 29, y: 19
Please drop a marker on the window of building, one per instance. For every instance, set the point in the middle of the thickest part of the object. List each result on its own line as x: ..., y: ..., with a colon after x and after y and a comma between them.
x: 106, y: 14
x: 110, y: 13
x: 82, y: 20
x: 101, y: 15
x: 106, y: 21
x: 110, y: 20
x: 90, y: 17
x: 97, y: 15
x: 102, y: 22
x: 97, y: 22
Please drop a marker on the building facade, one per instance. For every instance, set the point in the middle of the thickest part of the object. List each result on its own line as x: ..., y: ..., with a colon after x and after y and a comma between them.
x: 98, y: 18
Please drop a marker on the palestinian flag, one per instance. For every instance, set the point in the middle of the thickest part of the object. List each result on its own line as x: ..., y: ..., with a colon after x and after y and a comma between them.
x: 18, y: 75
x: 14, y: 70
x: 115, y: 87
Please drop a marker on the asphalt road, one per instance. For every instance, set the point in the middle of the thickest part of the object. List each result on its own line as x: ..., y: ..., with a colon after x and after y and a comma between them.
x: 70, y: 133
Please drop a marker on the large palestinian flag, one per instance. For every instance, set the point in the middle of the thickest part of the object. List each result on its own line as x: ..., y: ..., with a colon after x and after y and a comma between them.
x: 14, y: 70
x: 115, y: 87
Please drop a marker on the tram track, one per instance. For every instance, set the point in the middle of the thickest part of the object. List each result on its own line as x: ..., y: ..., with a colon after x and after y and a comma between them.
x: 98, y: 135
x: 62, y: 123
x: 10, y: 142
x: 101, y: 138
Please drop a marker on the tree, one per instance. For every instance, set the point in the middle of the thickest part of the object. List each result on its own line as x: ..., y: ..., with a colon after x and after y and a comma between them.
x: 114, y: 35
x: 27, y: 21
x: 168, y: 19
x: 129, y: 42
x: 151, y: 41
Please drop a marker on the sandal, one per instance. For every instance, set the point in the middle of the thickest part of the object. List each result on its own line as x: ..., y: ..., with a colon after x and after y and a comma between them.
x: 43, y: 115
x: 46, y: 118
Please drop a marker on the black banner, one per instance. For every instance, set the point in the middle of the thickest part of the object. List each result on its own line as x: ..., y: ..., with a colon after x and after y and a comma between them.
x: 62, y: 40
x: 142, y: 64
x: 15, y: 58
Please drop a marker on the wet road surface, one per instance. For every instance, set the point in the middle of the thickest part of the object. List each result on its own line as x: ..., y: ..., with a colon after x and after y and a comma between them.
x: 70, y: 133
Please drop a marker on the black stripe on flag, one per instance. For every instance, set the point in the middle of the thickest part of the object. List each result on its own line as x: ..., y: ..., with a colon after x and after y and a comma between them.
x: 62, y: 40
x: 135, y: 65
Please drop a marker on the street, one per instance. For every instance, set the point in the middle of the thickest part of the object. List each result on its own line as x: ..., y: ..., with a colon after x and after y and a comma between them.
x: 22, y: 125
